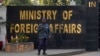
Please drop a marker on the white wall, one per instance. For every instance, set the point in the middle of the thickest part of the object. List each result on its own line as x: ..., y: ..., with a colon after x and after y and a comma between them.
x: 3, y: 26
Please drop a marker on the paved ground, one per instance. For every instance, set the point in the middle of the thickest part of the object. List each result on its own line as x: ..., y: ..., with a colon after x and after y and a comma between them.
x: 97, y: 53
x: 34, y: 53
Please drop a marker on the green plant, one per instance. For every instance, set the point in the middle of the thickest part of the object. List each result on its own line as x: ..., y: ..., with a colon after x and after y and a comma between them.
x: 22, y: 37
x: 13, y: 40
x: 17, y: 3
x: 19, y: 38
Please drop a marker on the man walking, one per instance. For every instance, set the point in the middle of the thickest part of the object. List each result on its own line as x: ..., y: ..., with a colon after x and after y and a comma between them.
x: 44, y: 32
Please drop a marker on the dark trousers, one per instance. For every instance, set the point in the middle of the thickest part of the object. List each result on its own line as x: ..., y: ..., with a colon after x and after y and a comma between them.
x: 42, y: 45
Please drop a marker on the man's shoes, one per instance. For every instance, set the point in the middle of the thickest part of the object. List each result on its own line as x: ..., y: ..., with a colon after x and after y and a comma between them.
x: 38, y: 53
x: 44, y: 53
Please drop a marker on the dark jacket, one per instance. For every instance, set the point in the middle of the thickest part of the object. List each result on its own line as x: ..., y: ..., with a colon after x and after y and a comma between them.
x: 43, y: 30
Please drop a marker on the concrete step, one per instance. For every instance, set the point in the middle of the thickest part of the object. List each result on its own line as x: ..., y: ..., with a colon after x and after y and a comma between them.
x: 69, y: 53
x: 96, y: 53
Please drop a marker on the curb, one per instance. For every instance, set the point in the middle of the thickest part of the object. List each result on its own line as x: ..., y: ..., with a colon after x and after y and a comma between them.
x: 69, y: 53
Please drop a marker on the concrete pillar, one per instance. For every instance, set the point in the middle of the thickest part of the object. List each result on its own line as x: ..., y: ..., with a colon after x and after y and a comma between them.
x: 3, y: 25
